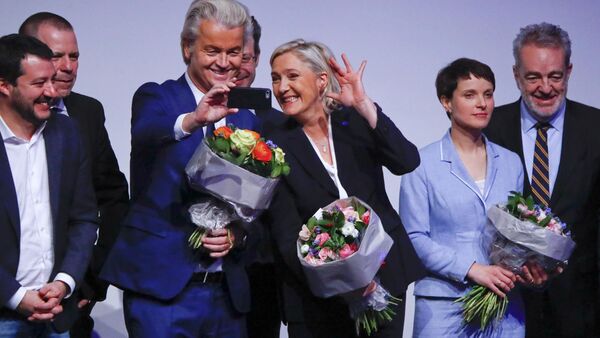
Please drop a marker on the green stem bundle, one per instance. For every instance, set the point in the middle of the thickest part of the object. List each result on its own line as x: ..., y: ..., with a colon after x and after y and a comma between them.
x: 483, y: 305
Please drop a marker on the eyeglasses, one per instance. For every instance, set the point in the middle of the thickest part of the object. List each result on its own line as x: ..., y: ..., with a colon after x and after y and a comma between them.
x: 247, y: 58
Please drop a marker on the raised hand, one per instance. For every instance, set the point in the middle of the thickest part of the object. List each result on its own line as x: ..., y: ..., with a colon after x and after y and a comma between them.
x: 211, y: 108
x: 352, y: 92
x: 493, y: 277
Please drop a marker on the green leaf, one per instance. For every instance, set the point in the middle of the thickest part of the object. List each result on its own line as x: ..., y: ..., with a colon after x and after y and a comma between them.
x: 285, y: 169
x: 276, y: 171
x: 221, y: 145
x: 312, y: 222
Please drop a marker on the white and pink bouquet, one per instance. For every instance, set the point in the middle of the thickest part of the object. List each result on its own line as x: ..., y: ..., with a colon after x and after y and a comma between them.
x: 341, y: 248
x: 518, y: 232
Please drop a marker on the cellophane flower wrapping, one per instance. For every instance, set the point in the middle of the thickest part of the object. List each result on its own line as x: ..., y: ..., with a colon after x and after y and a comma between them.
x: 516, y: 233
x: 237, y: 193
x: 512, y: 242
x: 343, y: 259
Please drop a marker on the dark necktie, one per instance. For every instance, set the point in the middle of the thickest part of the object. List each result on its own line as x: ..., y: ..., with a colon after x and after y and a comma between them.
x: 210, y: 128
x: 540, y: 178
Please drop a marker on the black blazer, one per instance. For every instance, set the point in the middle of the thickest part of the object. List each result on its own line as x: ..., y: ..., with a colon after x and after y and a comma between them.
x: 575, y: 199
x: 361, y: 152
x: 110, y: 184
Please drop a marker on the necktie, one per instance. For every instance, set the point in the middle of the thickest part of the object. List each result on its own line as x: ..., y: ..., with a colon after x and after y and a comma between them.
x: 210, y: 128
x: 540, y: 182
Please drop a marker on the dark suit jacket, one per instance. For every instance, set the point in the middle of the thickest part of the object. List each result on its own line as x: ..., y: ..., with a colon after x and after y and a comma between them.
x: 110, y: 184
x: 72, y: 202
x: 361, y: 152
x: 576, y: 200
x: 151, y: 255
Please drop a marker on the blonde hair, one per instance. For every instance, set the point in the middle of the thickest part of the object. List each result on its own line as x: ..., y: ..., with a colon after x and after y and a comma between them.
x: 316, y: 55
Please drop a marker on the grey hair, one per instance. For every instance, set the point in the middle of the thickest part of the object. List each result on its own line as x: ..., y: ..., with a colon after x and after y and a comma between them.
x: 228, y: 13
x: 542, y: 35
x: 316, y: 55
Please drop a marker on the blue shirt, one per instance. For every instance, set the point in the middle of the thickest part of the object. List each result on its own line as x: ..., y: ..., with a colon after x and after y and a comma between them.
x: 555, y: 135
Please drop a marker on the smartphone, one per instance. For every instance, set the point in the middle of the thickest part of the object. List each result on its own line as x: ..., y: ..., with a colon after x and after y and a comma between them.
x: 250, y: 98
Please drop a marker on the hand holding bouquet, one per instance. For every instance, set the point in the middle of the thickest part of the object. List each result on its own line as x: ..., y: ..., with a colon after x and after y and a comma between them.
x: 240, y: 170
x: 341, y: 248
x: 518, y: 233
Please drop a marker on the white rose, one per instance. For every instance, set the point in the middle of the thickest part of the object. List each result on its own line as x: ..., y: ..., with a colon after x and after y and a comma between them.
x: 348, y: 229
x: 304, y: 248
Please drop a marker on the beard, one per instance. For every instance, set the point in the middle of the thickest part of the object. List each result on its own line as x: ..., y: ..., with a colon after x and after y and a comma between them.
x: 26, y: 110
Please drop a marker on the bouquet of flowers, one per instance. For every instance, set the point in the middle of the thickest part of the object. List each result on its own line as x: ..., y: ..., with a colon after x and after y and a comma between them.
x: 518, y: 232
x: 341, y: 248
x: 240, y: 171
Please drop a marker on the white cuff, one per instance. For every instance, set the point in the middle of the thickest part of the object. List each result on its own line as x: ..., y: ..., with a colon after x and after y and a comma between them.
x: 178, y: 128
x: 65, y: 278
x: 16, y: 299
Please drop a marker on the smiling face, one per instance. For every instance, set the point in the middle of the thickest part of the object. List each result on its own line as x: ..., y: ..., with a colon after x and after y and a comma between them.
x: 249, y: 63
x: 216, y: 55
x: 63, y: 44
x: 471, y: 104
x: 30, y: 97
x: 542, y: 78
x: 297, y: 87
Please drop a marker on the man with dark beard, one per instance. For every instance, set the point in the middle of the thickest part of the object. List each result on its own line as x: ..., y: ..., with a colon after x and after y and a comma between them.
x: 48, y: 212
x: 559, y: 145
x: 110, y: 184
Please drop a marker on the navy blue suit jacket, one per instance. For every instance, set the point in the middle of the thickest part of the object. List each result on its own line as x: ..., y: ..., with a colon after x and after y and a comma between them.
x: 72, y: 200
x: 151, y: 255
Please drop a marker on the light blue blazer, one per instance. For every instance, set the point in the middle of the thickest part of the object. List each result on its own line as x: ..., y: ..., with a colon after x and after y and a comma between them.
x: 444, y: 212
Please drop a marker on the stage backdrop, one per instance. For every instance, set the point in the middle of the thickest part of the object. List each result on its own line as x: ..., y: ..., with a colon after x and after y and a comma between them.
x: 126, y: 43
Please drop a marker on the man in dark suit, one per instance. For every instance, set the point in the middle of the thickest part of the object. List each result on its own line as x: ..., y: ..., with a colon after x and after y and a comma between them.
x: 264, y: 319
x: 562, y: 136
x: 110, y: 184
x: 171, y: 289
x: 48, y: 223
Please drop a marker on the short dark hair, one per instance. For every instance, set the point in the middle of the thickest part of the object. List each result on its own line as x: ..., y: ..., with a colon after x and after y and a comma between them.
x: 13, y: 49
x: 447, y: 78
x: 31, y: 25
x: 256, y: 33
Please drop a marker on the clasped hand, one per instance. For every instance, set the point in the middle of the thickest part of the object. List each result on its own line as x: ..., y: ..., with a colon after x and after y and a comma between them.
x: 501, y: 280
x: 44, y: 304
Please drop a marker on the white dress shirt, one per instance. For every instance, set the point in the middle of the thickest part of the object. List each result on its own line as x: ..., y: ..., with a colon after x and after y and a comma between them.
x: 29, y: 168
x: 330, y: 168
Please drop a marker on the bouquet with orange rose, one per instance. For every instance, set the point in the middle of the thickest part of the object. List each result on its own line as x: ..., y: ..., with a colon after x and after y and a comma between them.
x: 240, y: 170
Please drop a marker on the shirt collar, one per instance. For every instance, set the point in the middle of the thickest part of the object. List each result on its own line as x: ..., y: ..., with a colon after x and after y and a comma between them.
x: 59, y: 106
x: 528, y: 122
x: 197, y: 93
x: 9, y: 137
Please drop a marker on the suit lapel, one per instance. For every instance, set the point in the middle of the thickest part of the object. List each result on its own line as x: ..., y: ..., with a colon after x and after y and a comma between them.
x: 344, y: 154
x: 7, y: 191
x: 54, y: 145
x: 572, y: 152
x: 299, y: 146
x: 449, y: 154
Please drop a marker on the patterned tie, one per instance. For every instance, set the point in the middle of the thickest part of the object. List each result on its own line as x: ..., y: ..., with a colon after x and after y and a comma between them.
x: 540, y: 182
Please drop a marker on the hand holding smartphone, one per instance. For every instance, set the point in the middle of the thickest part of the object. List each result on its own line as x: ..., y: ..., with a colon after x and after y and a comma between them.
x: 250, y: 98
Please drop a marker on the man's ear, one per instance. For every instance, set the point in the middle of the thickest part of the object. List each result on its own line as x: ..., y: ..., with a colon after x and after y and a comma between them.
x: 186, y: 51
x: 5, y: 87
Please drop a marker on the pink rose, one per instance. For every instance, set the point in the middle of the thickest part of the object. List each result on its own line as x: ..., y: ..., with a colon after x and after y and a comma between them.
x: 304, y: 233
x: 312, y: 260
x: 366, y: 217
x: 326, y: 253
x: 322, y: 238
x: 346, y: 251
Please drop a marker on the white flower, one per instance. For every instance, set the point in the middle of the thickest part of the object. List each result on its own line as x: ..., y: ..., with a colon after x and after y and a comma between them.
x: 304, y: 248
x: 319, y: 214
x: 355, y: 233
x: 348, y: 229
